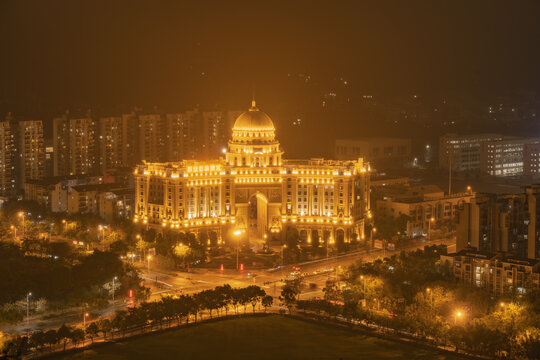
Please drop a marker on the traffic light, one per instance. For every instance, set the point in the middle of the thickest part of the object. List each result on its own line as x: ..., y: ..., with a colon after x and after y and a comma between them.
x: 130, y: 293
x: 221, y: 268
x: 241, y: 267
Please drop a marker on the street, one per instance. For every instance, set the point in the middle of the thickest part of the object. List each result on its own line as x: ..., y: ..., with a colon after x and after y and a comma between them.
x: 161, y: 283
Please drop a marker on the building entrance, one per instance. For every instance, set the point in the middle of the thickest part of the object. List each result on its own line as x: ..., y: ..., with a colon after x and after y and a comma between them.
x: 257, y: 216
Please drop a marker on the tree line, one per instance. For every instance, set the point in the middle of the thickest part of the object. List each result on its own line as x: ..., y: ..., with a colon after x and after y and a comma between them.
x: 170, y: 310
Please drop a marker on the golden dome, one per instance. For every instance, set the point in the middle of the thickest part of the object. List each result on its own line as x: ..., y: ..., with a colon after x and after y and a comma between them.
x: 253, y: 119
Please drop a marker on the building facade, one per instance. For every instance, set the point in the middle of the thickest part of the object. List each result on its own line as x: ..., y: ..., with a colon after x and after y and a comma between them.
x: 254, y: 190
x: 382, y: 152
x: 463, y: 150
x: 507, y: 223
x: 75, y: 146
x: 116, y: 142
x: 422, y: 204
x: 499, y: 274
x: 7, y: 160
x: 492, y: 154
x: 505, y: 157
x: 31, y: 151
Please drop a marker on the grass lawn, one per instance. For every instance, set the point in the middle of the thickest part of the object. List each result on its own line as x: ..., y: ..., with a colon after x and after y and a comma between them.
x: 272, y: 337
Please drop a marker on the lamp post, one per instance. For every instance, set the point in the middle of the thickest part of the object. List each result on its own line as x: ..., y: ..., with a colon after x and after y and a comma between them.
x: 28, y: 309
x: 282, y: 250
x: 84, y: 319
x: 428, y: 290
x: 113, y: 286
x: 363, y: 284
x: 373, y: 230
x: 456, y: 316
x: 21, y: 215
x: 237, y: 233
x: 14, y: 229
x: 149, y: 257
x: 138, y: 237
x: 100, y: 230
x: 64, y: 222
x: 432, y: 219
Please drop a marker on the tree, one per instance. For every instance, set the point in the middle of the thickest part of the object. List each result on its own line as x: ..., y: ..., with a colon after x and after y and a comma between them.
x: 254, y: 294
x: 288, y: 297
x: 104, y: 326
x: 267, y: 301
x: 92, y: 331
x: 76, y: 336
x: 64, y: 333
x: 51, y: 338
x: 37, y: 339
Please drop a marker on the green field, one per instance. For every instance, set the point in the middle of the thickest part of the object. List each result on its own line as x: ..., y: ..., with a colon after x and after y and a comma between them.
x: 261, y: 338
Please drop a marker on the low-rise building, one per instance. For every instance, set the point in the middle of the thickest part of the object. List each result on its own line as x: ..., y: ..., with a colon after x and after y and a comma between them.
x: 421, y: 203
x: 109, y: 201
x: 499, y: 273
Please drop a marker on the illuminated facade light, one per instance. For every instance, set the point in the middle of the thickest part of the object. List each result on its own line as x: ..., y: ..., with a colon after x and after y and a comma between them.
x: 252, y: 175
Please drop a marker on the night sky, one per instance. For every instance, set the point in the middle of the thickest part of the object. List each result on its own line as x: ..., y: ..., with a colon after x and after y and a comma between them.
x: 112, y: 55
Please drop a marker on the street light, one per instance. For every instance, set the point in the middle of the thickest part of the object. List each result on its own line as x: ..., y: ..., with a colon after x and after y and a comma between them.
x: 373, y: 230
x: 237, y: 233
x: 21, y: 215
x: 14, y: 229
x: 100, y: 229
x: 149, y: 257
x: 113, y: 286
x: 28, y: 309
x: 432, y: 219
x: 84, y: 319
x: 428, y: 290
x: 456, y: 316
x: 282, y: 250
x: 138, y: 237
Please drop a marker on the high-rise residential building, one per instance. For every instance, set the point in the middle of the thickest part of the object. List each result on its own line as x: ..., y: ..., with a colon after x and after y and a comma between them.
x: 117, y: 142
x: 152, y: 138
x: 214, y: 133
x: 49, y: 157
x: 198, y: 135
x: 31, y: 149
x: 7, y: 161
x: 175, y: 130
x: 75, y: 146
x: 507, y: 223
x: 61, y: 131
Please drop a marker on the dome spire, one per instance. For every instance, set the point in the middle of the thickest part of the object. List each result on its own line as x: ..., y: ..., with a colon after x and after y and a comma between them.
x: 253, y: 103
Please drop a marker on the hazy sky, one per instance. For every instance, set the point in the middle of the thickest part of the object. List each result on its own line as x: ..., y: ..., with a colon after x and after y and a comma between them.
x: 113, y: 55
x: 168, y: 52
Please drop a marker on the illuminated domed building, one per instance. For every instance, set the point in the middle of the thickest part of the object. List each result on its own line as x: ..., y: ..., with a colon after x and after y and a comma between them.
x: 254, y: 191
